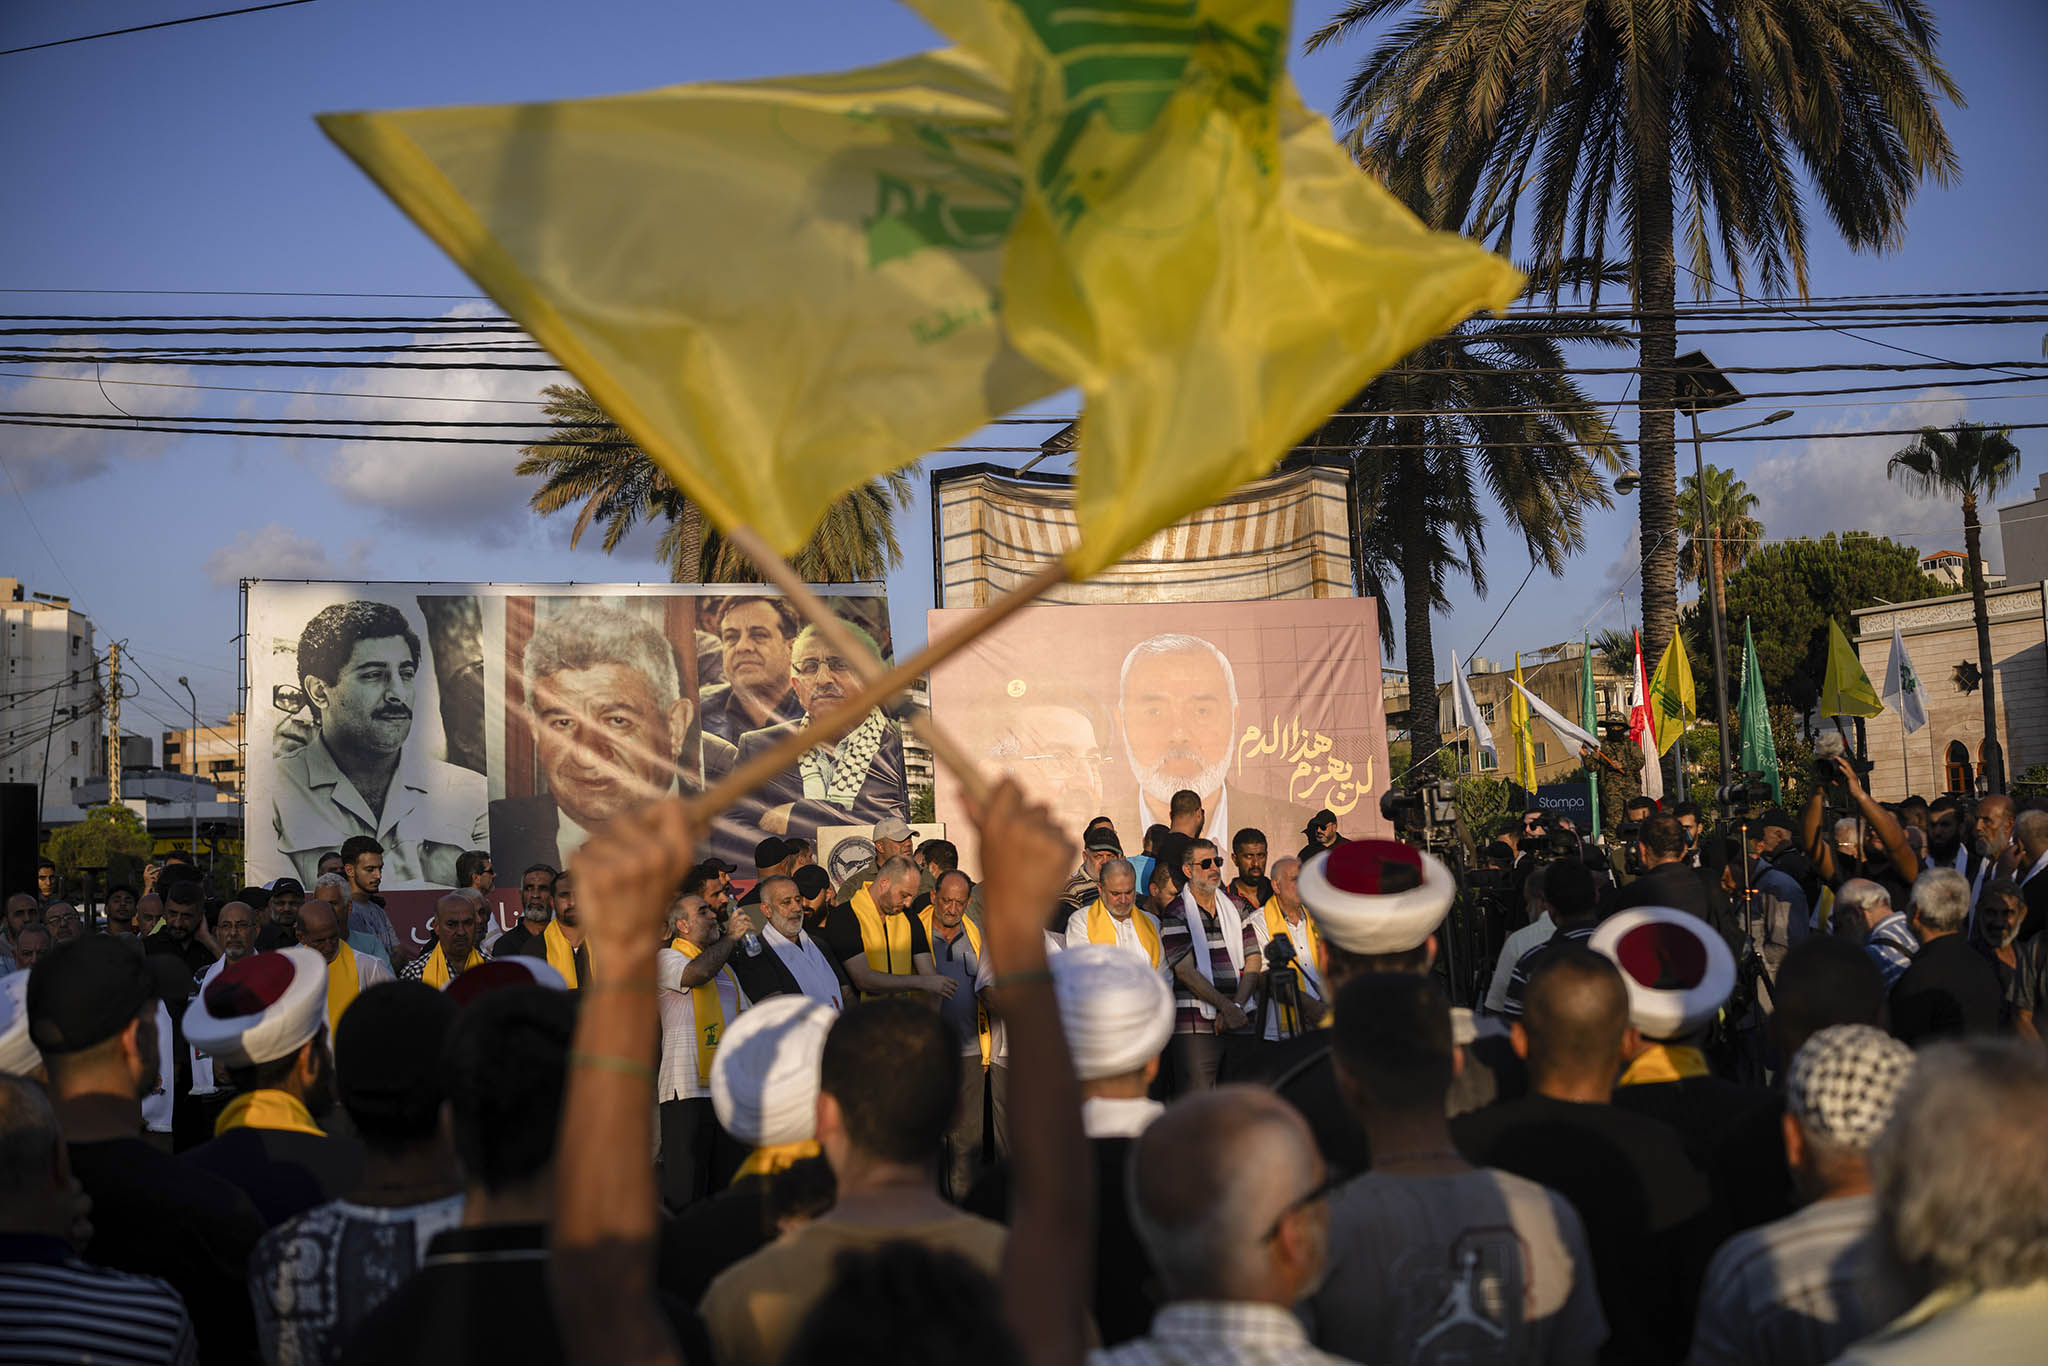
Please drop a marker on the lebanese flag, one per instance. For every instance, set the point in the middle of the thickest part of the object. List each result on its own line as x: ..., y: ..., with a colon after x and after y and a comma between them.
x: 1642, y: 727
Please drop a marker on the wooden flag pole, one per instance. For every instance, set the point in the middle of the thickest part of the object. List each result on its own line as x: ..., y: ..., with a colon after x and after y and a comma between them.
x: 783, y: 575
x: 837, y: 722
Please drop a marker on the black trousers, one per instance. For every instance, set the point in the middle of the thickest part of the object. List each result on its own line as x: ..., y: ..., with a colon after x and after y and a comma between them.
x: 696, y: 1156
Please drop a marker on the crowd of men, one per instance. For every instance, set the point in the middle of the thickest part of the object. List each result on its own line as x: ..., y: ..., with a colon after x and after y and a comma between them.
x: 1767, y: 1090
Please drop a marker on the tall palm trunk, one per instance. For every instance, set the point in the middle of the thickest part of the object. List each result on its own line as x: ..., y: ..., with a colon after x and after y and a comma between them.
x: 1994, y: 752
x: 1425, y: 734
x: 1656, y: 297
x: 689, y: 565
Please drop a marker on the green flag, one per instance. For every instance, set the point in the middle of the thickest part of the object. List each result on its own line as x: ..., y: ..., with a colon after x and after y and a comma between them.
x: 1758, y: 749
x: 1589, y: 717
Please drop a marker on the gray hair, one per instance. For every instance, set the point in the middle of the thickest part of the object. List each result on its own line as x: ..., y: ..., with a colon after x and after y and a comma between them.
x: 593, y: 634
x: 1941, y: 899
x: 1175, y: 643
x: 2032, y: 828
x: 1115, y: 865
x: 1962, y: 1193
x: 1860, y: 894
x: 811, y: 632
x: 331, y: 880
x: 1849, y: 827
x: 683, y: 905
x: 28, y: 1141
x: 898, y: 868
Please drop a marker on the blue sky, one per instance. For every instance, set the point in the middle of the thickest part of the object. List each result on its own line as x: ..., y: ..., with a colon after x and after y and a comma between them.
x: 187, y: 159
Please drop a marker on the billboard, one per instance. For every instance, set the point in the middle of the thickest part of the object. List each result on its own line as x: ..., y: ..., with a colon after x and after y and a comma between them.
x: 1269, y: 710
x: 444, y: 717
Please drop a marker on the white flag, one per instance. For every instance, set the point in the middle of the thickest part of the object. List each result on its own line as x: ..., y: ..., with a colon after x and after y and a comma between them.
x: 1578, y: 737
x: 1902, y: 686
x: 1642, y: 719
x: 1465, y: 715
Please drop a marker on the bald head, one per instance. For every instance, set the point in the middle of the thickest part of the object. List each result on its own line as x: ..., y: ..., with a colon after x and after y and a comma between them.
x: 320, y: 929
x: 1574, y: 1019
x: 236, y: 928
x: 895, y: 884
x: 22, y: 907
x: 456, y: 924
x: 1211, y: 1175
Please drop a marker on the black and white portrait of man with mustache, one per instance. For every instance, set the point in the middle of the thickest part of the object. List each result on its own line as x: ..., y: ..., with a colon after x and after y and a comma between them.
x: 358, y: 666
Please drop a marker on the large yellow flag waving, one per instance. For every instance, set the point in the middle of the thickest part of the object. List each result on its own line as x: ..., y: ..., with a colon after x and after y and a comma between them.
x: 780, y: 288
x: 1845, y: 689
x: 1671, y: 695
x: 1195, y: 249
x: 1525, y: 741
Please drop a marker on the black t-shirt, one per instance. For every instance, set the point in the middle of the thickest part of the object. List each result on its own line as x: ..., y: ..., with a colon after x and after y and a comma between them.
x: 157, y: 1216
x: 843, y: 941
x: 1681, y: 887
x: 1645, y: 1206
x: 283, y: 1172
x: 1734, y: 1134
x: 696, y: 1246
x: 1949, y: 991
x: 482, y: 1297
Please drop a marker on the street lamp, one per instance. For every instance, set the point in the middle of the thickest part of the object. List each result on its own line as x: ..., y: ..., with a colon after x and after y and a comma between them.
x: 192, y: 753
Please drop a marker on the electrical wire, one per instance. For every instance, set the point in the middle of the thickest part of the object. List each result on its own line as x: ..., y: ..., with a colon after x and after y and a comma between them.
x: 144, y: 28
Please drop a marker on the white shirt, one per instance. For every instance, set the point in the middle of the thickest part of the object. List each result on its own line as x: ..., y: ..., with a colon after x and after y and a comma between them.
x: 202, y: 1063
x: 1304, y: 954
x: 807, y: 963
x: 1537, y: 931
x: 1113, y: 1117
x: 678, y: 1077
x: 156, y: 1106
x: 1126, y: 929
x: 2039, y: 864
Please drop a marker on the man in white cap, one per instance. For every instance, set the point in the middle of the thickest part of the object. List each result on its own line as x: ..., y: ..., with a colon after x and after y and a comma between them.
x: 1491, y: 1267
x: 1679, y: 973
x: 893, y: 838
x: 1806, y: 1287
x: 1117, y: 1014
x: 264, y: 1021
x: 1216, y: 965
x: 1115, y: 916
x: 1375, y: 906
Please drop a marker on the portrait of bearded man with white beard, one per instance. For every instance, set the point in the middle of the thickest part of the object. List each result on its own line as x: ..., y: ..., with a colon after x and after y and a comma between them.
x: 1177, y: 709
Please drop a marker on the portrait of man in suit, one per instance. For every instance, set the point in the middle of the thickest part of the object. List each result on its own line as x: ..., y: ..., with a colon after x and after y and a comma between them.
x: 856, y: 781
x: 755, y: 636
x: 604, y: 702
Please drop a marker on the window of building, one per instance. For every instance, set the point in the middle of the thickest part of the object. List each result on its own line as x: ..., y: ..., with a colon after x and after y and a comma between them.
x: 1486, y: 712
x: 1961, y: 776
x: 74, y: 749
x: 1540, y: 753
x: 76, y: 642
x: 1487, y: 762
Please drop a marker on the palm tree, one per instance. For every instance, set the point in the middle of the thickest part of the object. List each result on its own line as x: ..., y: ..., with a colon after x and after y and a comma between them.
x: 1617, y: 650
x: 1637, y: 106
x: 1733, y: 534
x: 1487, y: 404
x: 590, y: 460
x: 1969, y: 461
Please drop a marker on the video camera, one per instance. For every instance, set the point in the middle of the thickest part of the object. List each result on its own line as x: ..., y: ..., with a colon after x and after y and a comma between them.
x: 1829, y: 746
x: 1426, y: 811
x: 1749, y: 790
x: 1553, y: 841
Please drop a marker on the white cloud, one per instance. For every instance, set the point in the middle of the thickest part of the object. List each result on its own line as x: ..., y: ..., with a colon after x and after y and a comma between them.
x: 57, y: 456
x: 277, y: 552
x: 1812, y: 487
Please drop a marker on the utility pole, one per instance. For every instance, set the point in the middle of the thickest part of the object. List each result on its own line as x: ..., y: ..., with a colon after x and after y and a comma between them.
x: 114, y: 726
x: 192, y: 755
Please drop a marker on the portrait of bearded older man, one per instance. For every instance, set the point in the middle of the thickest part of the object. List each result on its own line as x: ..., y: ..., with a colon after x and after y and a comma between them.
x: 857, y: 781
x: 362, y: 771
x: 1177, y: 708
x: 605, y: 704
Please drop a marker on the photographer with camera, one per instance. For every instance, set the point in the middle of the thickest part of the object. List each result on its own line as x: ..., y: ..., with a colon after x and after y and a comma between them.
x: 1623, y: 863
x: 1841, y: 787
x: 1668, y: 880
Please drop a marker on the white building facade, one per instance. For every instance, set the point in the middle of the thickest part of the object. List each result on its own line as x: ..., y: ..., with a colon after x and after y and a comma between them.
x: 51, y: 695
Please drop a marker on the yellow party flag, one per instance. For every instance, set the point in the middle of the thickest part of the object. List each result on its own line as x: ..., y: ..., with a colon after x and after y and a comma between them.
x: 780, y: 288
x: 1195, y: 249
x: 1671, y: 695
x: 1518, y: 725
x: 1845, y: 689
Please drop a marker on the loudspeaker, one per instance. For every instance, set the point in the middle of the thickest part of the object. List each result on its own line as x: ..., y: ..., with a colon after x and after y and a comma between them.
x: 19, y: 812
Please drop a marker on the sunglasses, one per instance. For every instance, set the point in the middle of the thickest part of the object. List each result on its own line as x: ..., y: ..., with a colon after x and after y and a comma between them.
x: 1322, y: 1190
x: 1207, y: 862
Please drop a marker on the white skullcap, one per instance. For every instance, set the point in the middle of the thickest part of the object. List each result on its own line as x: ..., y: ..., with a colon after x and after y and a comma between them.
x: 1115, y: 1009
x: 764, y: 1077
x: 1376, y: 896
x: 19, y: 1055
x: 513, y: 970
x: 261, y: 1009
x: 1677, y: 968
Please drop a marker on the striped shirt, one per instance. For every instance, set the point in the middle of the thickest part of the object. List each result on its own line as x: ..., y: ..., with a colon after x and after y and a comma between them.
x: 1526, y: 965
x: 57, y: 1308
x: 1799, y: 1290
x: 1893, y: 946
x: 1174, y: 937
x: 1216, y: 1333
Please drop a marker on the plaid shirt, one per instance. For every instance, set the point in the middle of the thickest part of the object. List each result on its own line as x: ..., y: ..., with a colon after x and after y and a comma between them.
x: 1893, y: 945
x: 1174, y: 936
x: 1212, y: 1333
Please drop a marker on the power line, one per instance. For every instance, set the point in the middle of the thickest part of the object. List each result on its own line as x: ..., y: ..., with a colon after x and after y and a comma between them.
x: 144, y: 28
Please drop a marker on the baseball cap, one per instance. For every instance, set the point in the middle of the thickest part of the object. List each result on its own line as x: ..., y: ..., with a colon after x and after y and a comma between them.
x: 769, y: 852
x: 1319, y: 820
x: 1103, y: 837
x: 719, y: 865
x: 894, y: 828
x: 85, y: 992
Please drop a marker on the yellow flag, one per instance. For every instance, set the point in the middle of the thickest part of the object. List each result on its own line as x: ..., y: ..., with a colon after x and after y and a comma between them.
x: 1518, y: 723
x: 1195, y: 249
x: 1672, y: 698
x: 1845, y: 690
x: 780, y: 288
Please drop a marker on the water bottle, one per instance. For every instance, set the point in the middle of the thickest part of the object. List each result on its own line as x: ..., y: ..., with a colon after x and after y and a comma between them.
x: 751, y: 942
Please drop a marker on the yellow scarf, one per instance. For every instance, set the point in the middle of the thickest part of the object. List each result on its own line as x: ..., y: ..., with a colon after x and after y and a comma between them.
x: 561, y: 957
x: 1664, y: 1062
x: 267, y: 1110
x: 343, y: 982
x: 708, y: 1009
x: 973, y: 942
x: 1276, y: 924
x: 435, y: 973
x: 1102, y: 929
x: 884, y: 938
x: 774, y: 1158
